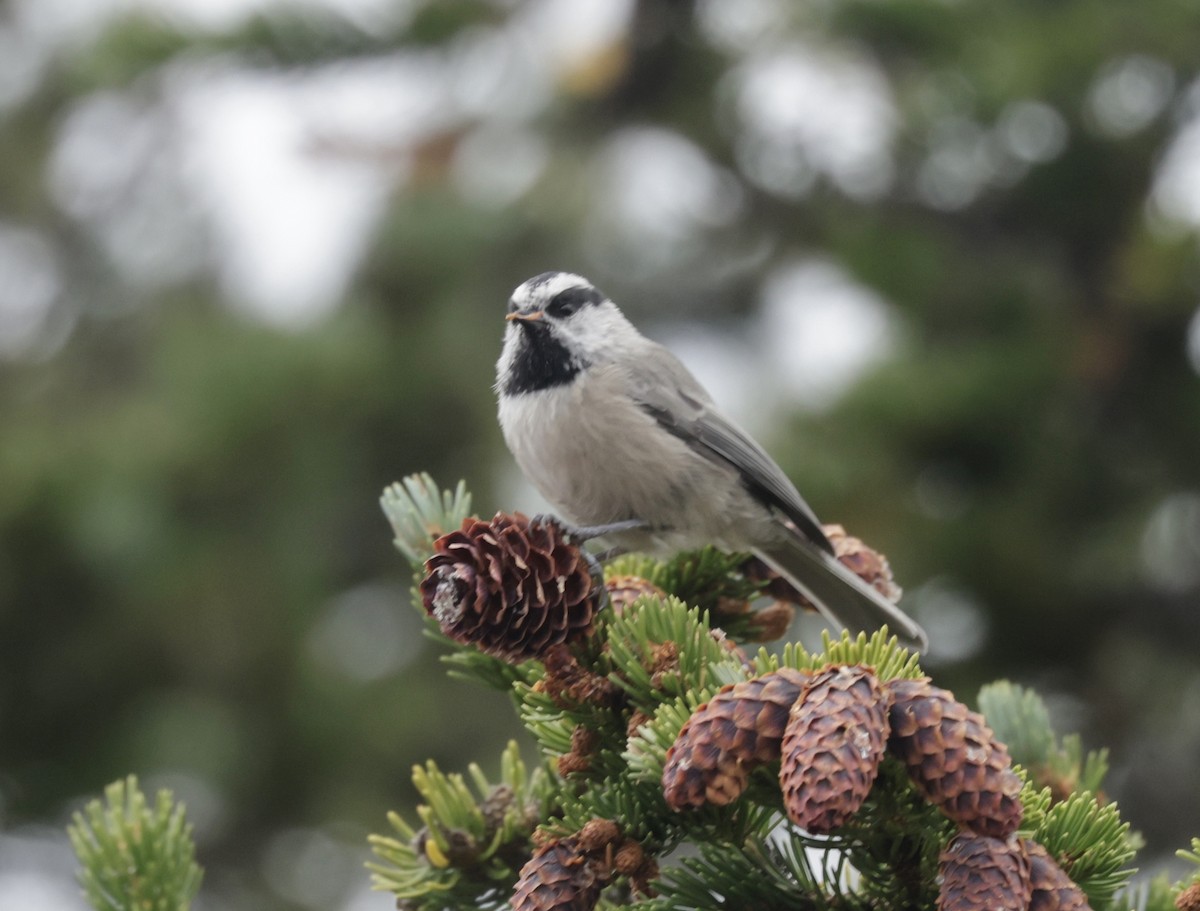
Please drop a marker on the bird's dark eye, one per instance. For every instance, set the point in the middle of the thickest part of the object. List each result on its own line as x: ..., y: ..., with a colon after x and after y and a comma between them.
x: 572, y: 300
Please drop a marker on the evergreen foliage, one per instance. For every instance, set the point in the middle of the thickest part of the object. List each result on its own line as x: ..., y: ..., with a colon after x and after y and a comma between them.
x: 663, y: 660
x: 1088, y: 839
x: 135, y: 856
x: 1194, y: 857
x: 605, y: 714
x: 877, y: 650
x: 1020, y: 718
x: 464, y: 852
x: 702, y: 578
x: 420, y: 512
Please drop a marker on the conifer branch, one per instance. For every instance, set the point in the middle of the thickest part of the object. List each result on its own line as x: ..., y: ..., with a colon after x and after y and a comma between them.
x: 419, y: 512
x: 134, y: 856
x: 1020, y: 718
x: 470, y: 845
x: 828, y: 780
x: 612, y: 707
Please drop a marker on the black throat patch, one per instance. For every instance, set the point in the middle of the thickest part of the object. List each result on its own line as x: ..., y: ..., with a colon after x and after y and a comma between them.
x: 541, y: 361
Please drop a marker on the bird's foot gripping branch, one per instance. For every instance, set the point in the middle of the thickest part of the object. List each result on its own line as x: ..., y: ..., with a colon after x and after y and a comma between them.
x: 681, y: 771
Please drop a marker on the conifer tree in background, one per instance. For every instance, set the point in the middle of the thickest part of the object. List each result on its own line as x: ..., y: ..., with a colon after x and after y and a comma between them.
x: 680, y: 771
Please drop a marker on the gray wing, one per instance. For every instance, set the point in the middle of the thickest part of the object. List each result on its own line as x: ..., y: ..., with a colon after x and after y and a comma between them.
x: 668, y: 392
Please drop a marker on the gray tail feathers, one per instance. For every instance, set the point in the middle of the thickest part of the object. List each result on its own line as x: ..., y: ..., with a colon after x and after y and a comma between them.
x: 843, y: 598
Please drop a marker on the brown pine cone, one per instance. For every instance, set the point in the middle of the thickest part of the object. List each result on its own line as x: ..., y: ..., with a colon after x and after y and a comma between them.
x: 584, y: 742
x: 495, y: 808
x: 559, y: 877
x: 512, y: 588
x: 629, y: 858
x: 624, y: 590
x: 572, y: 684
x: 978, y: 873
x: 771, y: 623
x: 954, y: 758
x: 739, y: 729
x: 836, y: 735
x: 597, y: 835
x: 869, y: 565
x: 1189, y: 898
x: 1053, y: 890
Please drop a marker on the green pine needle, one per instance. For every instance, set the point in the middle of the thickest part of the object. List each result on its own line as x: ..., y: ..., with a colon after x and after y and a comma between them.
x: 1020, y: 719
x: 465, y: 850
x: 465, y: 662
x: 702, y: 659
x: 699, y: 577
x: 420, y: 512
x: 895, y: 839
x: 647, y: 749
x: 638, y: 809
x: 1194, y: 857
x: 708, y: 579
x: 761, y: 872
x: 1093, y: 767
x: 880, y: 651
x: 135, y: 857
x: 549, y: 727
x: 553, y: 726
x: 1087, y: 838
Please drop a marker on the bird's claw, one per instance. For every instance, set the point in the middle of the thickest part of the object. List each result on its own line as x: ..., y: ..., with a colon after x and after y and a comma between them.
x: 580, y: 534
x: 596, y: 570
x: 549, y: 520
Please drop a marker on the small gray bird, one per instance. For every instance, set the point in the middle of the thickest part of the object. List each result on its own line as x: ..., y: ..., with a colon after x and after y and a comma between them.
x: 620, y: 438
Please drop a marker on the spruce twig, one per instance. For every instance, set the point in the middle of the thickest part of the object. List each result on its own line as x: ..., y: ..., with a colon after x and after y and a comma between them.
x: 880, y: 651
x: 1019, y: 717
x: 1192, y: 856
x: 1086, y: 837
x: 470, y: 845
x: 419, y: 511
x: 135, y: 857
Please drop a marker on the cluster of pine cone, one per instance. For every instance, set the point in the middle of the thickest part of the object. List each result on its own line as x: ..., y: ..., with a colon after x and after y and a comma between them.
x: 830, y: 730
x: 567, y: 874
x: 518, y: 589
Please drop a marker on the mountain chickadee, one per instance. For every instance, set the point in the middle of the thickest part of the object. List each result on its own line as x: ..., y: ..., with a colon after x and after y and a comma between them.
x: 620, y: 437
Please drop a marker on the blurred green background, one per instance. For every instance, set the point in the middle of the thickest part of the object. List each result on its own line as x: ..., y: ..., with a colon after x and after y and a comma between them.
x: 939, y: 255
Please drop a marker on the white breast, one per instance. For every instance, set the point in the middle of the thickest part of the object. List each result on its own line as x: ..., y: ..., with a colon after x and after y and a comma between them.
x: 599, y: 458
